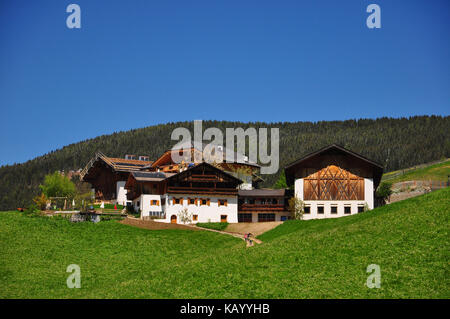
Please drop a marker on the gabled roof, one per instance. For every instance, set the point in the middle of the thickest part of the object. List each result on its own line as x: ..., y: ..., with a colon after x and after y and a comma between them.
x: 377, y: 167
x: 330, y: 147
x: 117, y: 164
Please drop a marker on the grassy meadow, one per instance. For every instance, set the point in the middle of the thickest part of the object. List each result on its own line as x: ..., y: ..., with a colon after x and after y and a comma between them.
x: 435, y: 172
x: 409, y: 240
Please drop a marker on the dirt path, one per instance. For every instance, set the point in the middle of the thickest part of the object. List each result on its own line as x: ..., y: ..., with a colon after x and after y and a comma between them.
x: 151, y: 225
x: 255, y: 228
x: 237, y: 235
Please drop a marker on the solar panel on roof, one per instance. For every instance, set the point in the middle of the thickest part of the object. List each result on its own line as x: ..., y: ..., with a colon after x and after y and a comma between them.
x: 149, y: 174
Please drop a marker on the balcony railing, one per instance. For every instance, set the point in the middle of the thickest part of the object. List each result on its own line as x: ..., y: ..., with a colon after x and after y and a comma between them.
x: 263, y: 207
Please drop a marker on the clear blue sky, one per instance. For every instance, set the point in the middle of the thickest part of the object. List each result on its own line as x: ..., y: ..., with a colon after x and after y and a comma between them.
x: 139, y: 63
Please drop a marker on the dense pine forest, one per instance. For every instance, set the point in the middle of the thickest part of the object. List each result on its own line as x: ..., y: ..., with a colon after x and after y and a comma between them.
x: 396, y: 143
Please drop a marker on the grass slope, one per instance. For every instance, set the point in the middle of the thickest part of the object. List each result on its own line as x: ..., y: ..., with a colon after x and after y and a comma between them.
x: 436, y: 172
x: 299, y: 259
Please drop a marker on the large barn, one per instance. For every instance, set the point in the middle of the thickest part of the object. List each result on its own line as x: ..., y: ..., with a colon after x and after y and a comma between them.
x: 108, y: 175
x: 334, y: 182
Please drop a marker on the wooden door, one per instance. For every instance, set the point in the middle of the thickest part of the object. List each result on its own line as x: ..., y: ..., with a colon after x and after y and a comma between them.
x: 173, y: 219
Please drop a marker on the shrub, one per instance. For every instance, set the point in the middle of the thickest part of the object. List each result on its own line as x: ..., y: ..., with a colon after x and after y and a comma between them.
x: 384, y: 191
x: 57, y: 185
x: 32, y: 210
x: 296, y: 207
x: 41, y: 201
x: 185, y: 216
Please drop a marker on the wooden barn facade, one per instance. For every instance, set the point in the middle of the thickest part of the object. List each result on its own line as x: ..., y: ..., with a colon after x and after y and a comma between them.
x: 334, y: 182
x: 108, y: 175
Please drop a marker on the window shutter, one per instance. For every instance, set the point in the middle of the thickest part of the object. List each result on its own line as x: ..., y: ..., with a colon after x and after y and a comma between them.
x: 208, y: 202
x: 157, y: 202
x: 181, y: 201
x: 196, y: 201
x: 226, y: 202
x: 173, y: 200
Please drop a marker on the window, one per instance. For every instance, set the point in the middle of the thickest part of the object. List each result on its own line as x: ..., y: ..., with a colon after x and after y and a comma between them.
x: 333, y: 209
x: 274, y: 201
x: 177, y: 201
x: 244, y: 218
x: 252, y: 201
x: 191, y: 201
x: 205, y: 201
x: 194, y: 218
x: 266, y: 217
x: 154, y: 202
x: 347, y: 209
x: 307, y: 210
x: 223, y: 218
x: 320, y: 209
x: 360, y: 208
x: 263, y: 201
x: 222, y: 202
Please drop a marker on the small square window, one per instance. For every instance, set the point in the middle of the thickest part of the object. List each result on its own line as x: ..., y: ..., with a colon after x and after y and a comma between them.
x: 360, y: 209
x: 191, y: 201
x: 347, y: 209
x: 334, y: 209
x: 320, y: 210
x: 204, y: 201
x: 307, y: 210
x: 194, y: 218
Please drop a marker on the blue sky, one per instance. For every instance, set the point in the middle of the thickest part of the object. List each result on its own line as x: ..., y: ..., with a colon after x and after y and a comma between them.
x: 139, y: 63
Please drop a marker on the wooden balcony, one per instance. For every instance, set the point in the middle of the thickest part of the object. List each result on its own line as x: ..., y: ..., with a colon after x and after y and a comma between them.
x: 202, y: 190
x: 261, y: 207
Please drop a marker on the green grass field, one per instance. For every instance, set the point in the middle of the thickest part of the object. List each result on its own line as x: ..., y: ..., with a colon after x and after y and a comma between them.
x: 409, y: 240
x: 436, y: 172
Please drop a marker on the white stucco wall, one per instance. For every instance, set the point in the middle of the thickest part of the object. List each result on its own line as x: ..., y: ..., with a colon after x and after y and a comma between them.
x: 368, y: 192
x: 121, y: 193
x: 145, y: 206
x: 205, y: 213
x: 298, y: 188
x: 313, y: 204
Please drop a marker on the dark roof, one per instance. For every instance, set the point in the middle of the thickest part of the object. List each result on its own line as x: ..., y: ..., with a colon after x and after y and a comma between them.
x: 264, y: 192
x: 377, y: 167
x: 150, y: 176
x: 330, y: 147
x: 117, y: 164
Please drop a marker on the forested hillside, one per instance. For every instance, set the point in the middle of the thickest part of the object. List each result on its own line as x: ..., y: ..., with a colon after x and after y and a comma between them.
x: 396, y: 143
